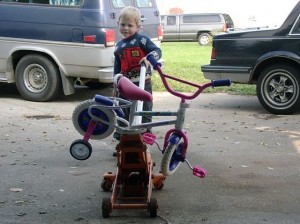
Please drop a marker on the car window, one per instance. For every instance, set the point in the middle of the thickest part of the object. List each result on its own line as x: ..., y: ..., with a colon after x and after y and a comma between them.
x: 144, y: 3
x: 296, y: 28
x: 201, y: 18
x: 171, y: 20
x: 63, y: 2
x: 51, y: 2
x: 228, y: 19
x: 121, y: 3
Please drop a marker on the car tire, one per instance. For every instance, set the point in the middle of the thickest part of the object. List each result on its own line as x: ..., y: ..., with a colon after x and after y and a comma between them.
x: 37, y: 78
x: 204, y: 39
x: 278, y: 89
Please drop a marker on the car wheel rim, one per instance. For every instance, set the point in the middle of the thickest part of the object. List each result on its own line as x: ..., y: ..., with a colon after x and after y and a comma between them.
x: 280, y: 89
x: 35, y: 78
x: 204, y: 40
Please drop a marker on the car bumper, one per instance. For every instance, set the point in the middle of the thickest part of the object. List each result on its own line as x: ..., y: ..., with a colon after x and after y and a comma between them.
x: 105, y: 75
x: 235, y: 74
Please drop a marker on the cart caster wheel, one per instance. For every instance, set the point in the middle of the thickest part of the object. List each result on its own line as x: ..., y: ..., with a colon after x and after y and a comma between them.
x: 106, y: 184
x: 158, y: 186
x: 152, y: 206
x: 80, y: 149
x: 106, y: 207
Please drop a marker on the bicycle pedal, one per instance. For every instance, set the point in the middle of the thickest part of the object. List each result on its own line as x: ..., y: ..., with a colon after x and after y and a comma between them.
x: 199, y: 171
x: 149, y: 138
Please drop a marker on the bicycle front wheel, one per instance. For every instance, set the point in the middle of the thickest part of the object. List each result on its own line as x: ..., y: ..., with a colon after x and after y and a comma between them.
x: 171, y: 159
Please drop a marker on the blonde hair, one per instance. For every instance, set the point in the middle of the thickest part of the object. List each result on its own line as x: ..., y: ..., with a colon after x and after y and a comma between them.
x: 130, y: 12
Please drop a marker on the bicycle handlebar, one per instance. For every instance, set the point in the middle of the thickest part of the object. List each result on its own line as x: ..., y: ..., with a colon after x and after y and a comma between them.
x: 214, y: 83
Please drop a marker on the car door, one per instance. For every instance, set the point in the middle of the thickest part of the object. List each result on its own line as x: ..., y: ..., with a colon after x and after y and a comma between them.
x: 171, y: 28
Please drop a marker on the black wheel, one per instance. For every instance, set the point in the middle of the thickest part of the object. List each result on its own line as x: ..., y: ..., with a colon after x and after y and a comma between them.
x: 159, y: 186
x: 37, y: 78
x: 80, y: 149
x: 152, y: 206
x: 278, y: 89
x: 171, y: 159
x: 106, y: 207
x: 81, y: 119
x: 106, y: 184
x: 204, y: 39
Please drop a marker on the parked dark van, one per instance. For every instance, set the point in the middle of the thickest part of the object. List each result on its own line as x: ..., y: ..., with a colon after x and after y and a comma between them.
x: 48, y: 45
x: 195, y: 27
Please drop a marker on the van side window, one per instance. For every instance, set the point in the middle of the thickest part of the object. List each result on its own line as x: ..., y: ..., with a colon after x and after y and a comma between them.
x: 20, y: 1
x: 51, y: 2
x: 144, y: 3
x: 201, y: 19
x: 40, y: 1
x: 64, y: 2
x: 171, y: 20
x: 121, y: 3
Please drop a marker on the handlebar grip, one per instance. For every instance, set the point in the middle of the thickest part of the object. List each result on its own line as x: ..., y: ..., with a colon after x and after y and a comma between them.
x: 221, y: 82
x: 153, y: 61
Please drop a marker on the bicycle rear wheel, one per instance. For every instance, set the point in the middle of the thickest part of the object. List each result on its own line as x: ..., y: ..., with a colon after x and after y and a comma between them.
x: 81, y: 119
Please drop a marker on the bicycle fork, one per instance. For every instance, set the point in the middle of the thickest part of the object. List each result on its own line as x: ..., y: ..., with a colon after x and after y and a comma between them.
x: 175, y: 135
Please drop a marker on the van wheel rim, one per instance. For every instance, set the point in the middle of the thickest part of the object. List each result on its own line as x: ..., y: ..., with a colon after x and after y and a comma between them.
x: 35, y: 78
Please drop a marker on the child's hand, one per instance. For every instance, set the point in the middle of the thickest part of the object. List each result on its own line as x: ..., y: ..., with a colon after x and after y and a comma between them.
x: 144, y: 60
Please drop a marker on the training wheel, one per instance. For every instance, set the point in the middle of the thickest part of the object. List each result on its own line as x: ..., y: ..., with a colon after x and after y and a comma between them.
x: 158, y: 186
x: 80, y: 149
x: 106, y: 207
x: 106, y: 184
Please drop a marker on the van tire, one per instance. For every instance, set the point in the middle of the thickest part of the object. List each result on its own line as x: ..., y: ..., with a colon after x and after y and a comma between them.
x: 37, y: 78
x: 204, y: 39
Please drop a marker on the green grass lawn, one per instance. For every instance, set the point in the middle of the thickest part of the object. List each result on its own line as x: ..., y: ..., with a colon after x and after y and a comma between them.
x: 184, y: 60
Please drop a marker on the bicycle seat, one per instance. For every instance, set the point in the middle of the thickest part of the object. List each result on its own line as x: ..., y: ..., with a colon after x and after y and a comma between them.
x: 132, y: 92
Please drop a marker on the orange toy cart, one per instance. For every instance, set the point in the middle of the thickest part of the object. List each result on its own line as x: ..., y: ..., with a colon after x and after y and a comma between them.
x: 133, y: 181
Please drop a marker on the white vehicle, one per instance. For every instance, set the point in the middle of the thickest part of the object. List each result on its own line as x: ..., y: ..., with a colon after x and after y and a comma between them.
x: 49, y: 45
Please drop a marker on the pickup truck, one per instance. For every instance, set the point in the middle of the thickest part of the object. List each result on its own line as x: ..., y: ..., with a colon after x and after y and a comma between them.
x: 195, y: 27
x: 267, y: 58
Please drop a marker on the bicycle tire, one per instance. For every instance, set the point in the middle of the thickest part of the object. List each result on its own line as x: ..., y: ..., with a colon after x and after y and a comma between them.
x: 171, y: 159
x: 81, y: 118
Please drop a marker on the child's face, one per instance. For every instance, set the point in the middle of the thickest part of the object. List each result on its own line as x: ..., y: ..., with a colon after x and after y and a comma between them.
x: 127, y: 27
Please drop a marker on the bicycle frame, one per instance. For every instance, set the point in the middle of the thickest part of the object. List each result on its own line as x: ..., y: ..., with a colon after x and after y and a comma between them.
x: 131, y: 127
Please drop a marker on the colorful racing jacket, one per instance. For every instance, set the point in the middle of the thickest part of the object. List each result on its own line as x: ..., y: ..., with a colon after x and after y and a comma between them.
x: 128, y: 53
